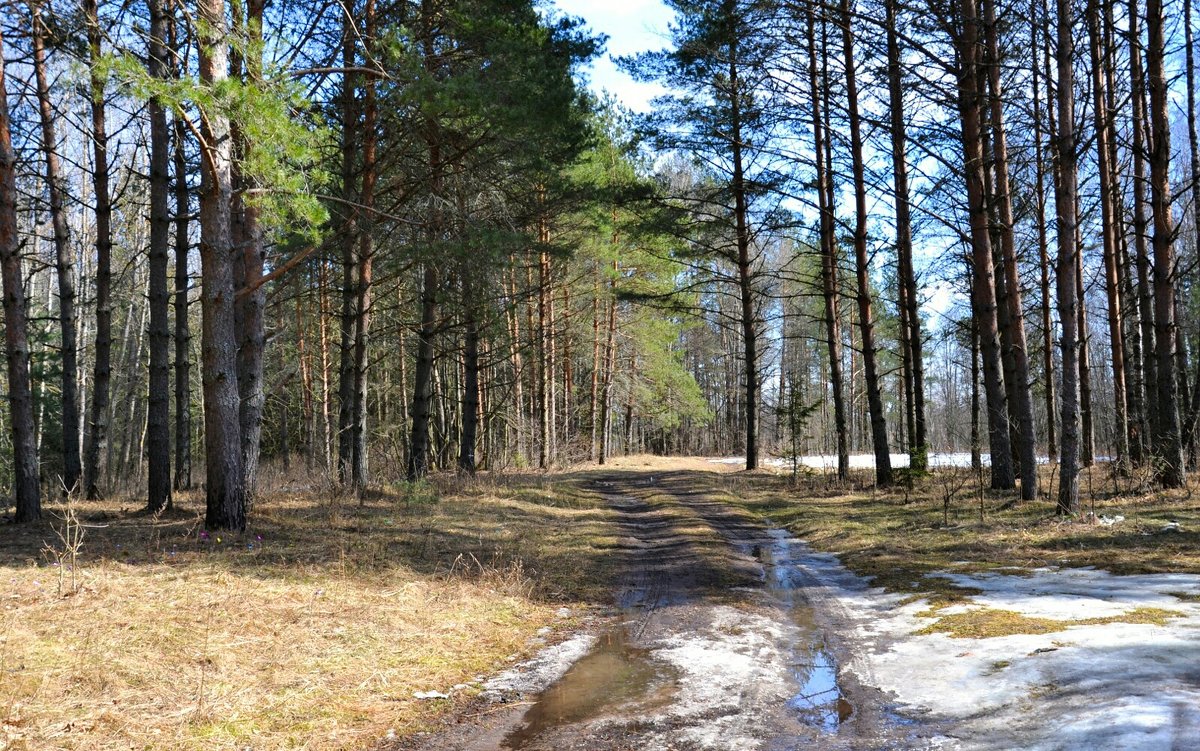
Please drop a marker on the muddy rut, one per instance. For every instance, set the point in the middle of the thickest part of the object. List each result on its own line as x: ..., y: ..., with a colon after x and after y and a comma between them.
x: 723, y: 641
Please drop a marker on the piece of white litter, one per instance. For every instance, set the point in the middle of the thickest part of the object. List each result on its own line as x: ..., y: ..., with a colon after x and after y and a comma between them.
x: 430, y: 695
x: 1170, y: 527
x: 1107, y: 521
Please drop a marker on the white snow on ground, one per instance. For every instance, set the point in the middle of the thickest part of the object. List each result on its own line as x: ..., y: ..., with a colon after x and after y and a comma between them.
x: 534, y: 675
x: 1114, y: 686
x: 736, y: 666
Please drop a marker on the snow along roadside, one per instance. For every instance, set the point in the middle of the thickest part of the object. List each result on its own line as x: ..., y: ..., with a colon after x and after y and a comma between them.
x: 1117, y: 685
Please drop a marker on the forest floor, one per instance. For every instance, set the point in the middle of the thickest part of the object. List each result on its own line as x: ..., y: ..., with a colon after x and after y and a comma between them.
x: 653, y: 604
x: 315, y: 629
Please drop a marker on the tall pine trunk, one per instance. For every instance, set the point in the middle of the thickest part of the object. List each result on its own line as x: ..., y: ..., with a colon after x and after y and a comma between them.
x: 745, y: 274
x: 983, y: 288
x: 470, y: 395
x: 866, y: 322
x: 64, y: 255
x: 1141, y: 224
x: 910, y: 303
x: 829, y: 281
x: 1040, y: 217
x: 349, y: 230
x: 1167, y: 439
x: 1021, y: 405
x: 1108, y: 209
x: 249, y: 260
x: 183, y: 334
x: 26, y: 484
x: 158, y: 415
x: 366, y: 259
x: 1066, y: 200
x: 225, y: 483
x: 97, y: 435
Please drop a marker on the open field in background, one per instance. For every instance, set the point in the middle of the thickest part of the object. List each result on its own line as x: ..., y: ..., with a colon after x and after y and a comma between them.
x: 314, y: 629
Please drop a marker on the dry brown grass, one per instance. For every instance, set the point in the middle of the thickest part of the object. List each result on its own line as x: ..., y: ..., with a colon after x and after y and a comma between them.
x: 985, y: 623
x: 311, y: 631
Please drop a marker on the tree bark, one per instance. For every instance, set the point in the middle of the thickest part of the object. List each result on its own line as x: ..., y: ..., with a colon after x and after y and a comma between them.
x: 470, y: 395
x: 366, y: 259
x: 350, y: 127
x: 64, y: 260
x: 418, y: 454
x: 1040, y: 217
x: 745, y: 275
x: 1141, y: 224
x: 1192, y: 404
x: 225, y: 483
x: 158, y: 415
x: 1066, y: 200
x: 983, y: 293
x: 1109, y: 231
x: 249, y: 253
x: 183, y: 336
x: 610, y: 364
x: 97, y: 435
x: 1167, y: 438
x: 829, y: 281
x: 26, y: 484
x: 1021, y: 406
x: 866, y: 322
x: 910, y: 302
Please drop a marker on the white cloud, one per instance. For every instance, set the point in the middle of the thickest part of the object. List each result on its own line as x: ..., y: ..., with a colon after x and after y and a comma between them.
x: 632, y: 26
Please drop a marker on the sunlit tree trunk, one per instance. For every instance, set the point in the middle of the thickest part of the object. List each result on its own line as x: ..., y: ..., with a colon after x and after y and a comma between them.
x: 983, y: 293
x: 158, y: 415
x: 64, y: 254
x: 1065, y: 200
x: 866, y: 321
x: 1040, y: 217
x: 910, y: 303
x: 1167, y: 438
x: 349, y: 230
x: 26, y: 485
x: 250, y: 256
x: 829, y: 282
x: 97, y: 434
x: 1021, y: 405
x: 225, y: 482
x: 366, y: 260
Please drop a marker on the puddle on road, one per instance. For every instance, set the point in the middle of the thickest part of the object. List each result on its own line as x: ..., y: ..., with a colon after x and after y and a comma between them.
x: 819, y: 701
x: 612, y: 677
x: 616, y: 678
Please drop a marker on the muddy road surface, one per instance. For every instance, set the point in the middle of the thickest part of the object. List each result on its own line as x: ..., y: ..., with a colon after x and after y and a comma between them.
x: 722, y: 641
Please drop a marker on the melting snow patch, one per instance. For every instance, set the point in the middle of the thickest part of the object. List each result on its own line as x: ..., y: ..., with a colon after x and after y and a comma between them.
x: 536, y: 674
x: 1115, y: 685
x: 734, y: 665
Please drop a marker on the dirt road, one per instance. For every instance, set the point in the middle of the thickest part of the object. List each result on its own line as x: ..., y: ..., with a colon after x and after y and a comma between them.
x: 723, y: 642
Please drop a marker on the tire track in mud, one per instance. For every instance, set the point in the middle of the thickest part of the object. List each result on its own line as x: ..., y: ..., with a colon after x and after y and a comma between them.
x: 720, y: 642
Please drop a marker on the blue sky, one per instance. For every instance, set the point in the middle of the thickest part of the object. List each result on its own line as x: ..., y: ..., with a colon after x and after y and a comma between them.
x: 632, y: 26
